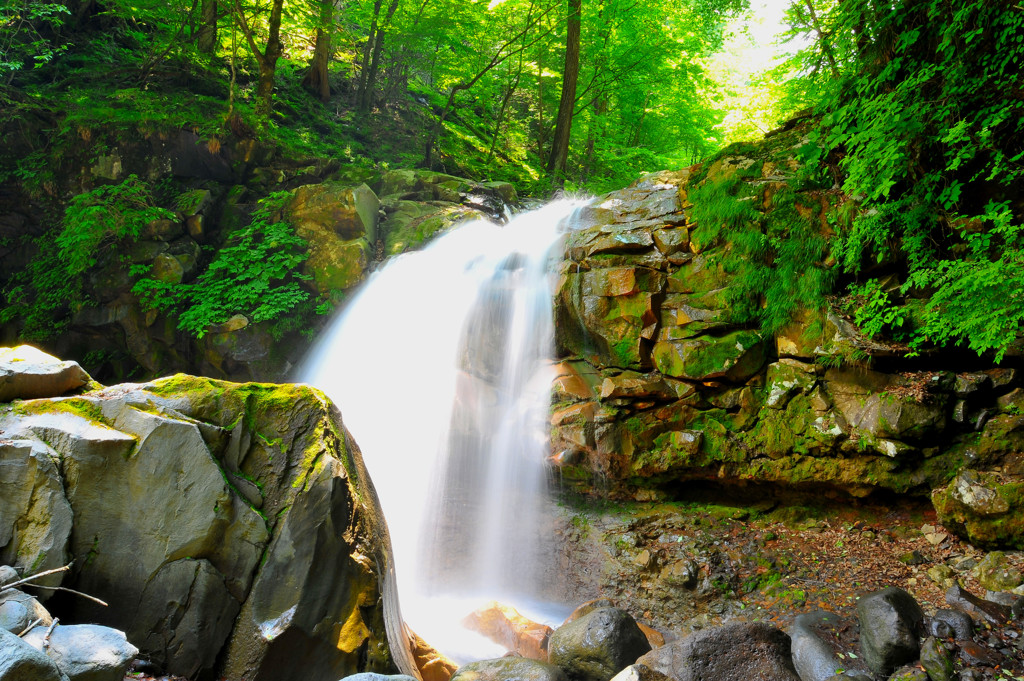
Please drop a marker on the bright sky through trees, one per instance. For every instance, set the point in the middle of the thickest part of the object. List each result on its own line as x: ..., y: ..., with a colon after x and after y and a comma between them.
x: 749, y: 94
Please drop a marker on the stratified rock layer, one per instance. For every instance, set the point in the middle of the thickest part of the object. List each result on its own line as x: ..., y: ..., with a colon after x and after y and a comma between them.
x: 669, y: 378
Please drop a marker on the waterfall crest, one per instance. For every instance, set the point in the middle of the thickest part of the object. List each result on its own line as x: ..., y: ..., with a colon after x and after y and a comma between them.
x: 441, y: 368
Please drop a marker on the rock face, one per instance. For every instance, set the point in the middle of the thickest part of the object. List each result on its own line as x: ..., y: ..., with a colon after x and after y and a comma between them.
x: 734, y: 651
x: 597, y: 645
x: 664, y: 381
x: 232, y: 528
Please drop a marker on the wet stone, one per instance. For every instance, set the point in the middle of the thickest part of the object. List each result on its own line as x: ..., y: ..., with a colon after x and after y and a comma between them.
x: 960, y: 623
x: 978, y: 655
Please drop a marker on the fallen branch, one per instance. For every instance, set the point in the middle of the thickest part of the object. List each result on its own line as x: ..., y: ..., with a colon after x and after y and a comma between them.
x: 77, y: 593
x: 26, y: 580
x: 46, y: 637
x: 30, y: 627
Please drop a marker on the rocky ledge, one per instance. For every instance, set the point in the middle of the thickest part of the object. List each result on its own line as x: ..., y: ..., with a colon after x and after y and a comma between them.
x: 231, y: 528
x: 665, y: 387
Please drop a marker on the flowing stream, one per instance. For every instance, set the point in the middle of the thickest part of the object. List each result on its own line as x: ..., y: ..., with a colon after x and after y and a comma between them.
x: 441, y: 366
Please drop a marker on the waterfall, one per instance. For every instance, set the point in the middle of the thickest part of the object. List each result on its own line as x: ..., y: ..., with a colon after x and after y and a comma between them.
x: 441, y: 366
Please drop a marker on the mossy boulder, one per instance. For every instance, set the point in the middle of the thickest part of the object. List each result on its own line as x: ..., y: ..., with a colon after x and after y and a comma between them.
x: 348, y: 212
x: 232, y: 527
x: 872, y: 405
x: 734, y: 357
x: 410, y: 225
x: 985, y: 508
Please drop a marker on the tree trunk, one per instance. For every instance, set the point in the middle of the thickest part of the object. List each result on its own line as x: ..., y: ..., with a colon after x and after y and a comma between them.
x: 206, y: 38
x: 363, y: 94
x: 822, y: 38
x: 563, y: 124
x: 316, y: 76
x: 268, y: 62
x: 378, y: 48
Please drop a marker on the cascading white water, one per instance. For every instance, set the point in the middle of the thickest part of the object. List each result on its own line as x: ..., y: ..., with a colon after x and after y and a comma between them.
x: 441, y: 368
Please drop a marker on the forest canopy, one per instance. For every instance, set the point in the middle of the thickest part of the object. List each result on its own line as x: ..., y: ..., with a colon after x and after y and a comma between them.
x: 917, y: 107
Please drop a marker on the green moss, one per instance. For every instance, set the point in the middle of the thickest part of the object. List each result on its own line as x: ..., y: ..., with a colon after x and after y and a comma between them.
x: 84, y: 408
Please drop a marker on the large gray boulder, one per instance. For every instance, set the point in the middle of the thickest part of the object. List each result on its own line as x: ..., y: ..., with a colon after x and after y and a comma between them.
x: 28, y: 373
x: 890, y: 623
x: 85, y: 652
x: 598, y: 645
x: 509, y: 669
x: 734, y: 652
x: 232, y: 528
x: 21, y: 662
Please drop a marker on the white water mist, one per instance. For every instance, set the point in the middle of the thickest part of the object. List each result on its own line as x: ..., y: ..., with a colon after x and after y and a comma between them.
x: 441, y: 368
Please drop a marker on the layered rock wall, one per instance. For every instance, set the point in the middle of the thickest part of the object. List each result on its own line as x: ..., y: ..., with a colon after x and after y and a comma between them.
x: 664, y: 389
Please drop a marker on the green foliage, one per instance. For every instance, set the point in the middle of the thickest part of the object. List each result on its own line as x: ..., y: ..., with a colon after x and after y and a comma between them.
x: 113, y: 212
x: 103, y: 220
x: 924, y: 116
x: 25, y: 27
x: 254, y: 274
x: 776, y: 259
x: 874, y: 311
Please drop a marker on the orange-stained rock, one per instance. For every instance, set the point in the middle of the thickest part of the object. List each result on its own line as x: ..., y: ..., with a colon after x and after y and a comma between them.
x: 432, y: 664
x: 504, y: 625
x: 654, y: 637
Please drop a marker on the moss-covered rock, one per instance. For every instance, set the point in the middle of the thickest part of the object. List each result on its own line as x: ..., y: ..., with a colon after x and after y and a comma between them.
x: 232, y: 527
x: 983, y: 507
x: 734, y: 357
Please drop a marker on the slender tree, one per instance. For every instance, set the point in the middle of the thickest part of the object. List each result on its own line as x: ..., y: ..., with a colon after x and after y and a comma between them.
x: 266, y: 58
x: 570, y: 73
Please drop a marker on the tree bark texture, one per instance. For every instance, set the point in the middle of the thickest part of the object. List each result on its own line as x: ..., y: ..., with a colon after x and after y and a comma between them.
x: 316, y: 76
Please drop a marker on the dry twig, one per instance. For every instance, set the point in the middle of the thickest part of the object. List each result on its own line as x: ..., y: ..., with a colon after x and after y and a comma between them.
x: 77, y: 593
x: 26, y: 580
x: 30, y: 627
x: 46, y: 638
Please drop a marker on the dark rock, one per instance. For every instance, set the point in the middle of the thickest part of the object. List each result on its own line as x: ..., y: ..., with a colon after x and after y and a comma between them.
x: 938, y: 628
x: 21, y: 662
x: 85, y: 652
x: 734, y: 652
x: 960, y: 623
x: 977, y: 655
x: 890, y: 621
x: 936, y: 660
x: 505, y: 669
x: 598, y: 645
x: 963, y: 600
x: 914, y: 557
